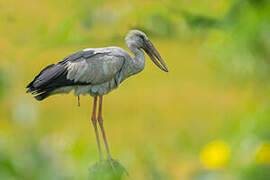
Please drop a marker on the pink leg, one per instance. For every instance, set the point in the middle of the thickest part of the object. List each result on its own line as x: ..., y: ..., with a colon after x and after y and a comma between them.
x: 100, y: 121
x: 94, y: 121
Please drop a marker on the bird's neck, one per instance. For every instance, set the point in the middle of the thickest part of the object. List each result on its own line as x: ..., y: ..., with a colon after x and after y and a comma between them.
x: 138, y: 62
x: 139, y: 58
x: 133, y: 65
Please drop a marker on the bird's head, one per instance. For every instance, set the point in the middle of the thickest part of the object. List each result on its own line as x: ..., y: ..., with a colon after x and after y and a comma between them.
x: 140, y: 40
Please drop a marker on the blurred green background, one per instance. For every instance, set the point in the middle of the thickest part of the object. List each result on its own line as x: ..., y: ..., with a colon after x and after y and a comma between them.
x: 207, y: 119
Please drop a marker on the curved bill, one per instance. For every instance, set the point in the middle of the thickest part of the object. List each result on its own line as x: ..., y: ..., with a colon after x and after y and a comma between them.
x: 155, y: 56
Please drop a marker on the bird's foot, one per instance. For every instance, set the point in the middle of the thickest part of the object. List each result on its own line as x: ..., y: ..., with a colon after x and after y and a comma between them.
x: 107, y: 167
x: 111, y: 161
x: 116, y: 166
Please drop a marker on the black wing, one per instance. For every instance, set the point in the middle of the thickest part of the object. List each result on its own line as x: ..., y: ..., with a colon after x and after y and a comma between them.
x: 55, y: 76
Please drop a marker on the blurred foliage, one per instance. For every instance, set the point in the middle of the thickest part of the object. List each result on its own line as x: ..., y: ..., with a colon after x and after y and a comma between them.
x: 260, y: 172
x: 2, y: 86
x: 208, y: 118
x: 107, y: 170
x: 263, y: 153
x: 28, y: 162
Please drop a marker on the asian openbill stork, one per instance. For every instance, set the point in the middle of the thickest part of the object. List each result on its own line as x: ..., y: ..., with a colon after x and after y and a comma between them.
x: 96, y: 71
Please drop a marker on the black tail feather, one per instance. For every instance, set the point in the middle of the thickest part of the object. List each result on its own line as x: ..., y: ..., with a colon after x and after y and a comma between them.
x: 29, y: 90
x: 43, y: 95
x: 49, y: 79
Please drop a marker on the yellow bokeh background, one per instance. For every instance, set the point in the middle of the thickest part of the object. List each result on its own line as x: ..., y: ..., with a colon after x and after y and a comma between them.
x: 263, y: 153
x: 216, y: 154
x: 208, y: 118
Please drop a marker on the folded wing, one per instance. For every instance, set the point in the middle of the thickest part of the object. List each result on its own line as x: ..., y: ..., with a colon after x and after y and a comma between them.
x: 91, y: 66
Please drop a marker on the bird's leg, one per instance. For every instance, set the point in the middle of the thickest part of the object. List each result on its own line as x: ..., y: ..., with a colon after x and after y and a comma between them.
x: 79, y: 104
x: 100, y: 121
x: 94, y: 121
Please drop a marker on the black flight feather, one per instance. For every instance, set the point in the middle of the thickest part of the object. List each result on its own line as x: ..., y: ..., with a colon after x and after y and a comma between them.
x: 55, y: 76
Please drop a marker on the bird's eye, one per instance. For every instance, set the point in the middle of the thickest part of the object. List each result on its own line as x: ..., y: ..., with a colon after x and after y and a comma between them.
x: 142, y: 37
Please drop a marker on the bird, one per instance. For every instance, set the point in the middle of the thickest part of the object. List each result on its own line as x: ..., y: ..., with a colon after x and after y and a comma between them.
x: 96, y: 72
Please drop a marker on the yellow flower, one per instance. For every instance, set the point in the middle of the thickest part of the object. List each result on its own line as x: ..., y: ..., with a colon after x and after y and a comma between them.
x: 263, y: 153
x: 215, y: 154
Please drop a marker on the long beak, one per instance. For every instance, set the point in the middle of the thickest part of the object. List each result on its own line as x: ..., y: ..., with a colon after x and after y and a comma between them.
x: 153, y: 54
